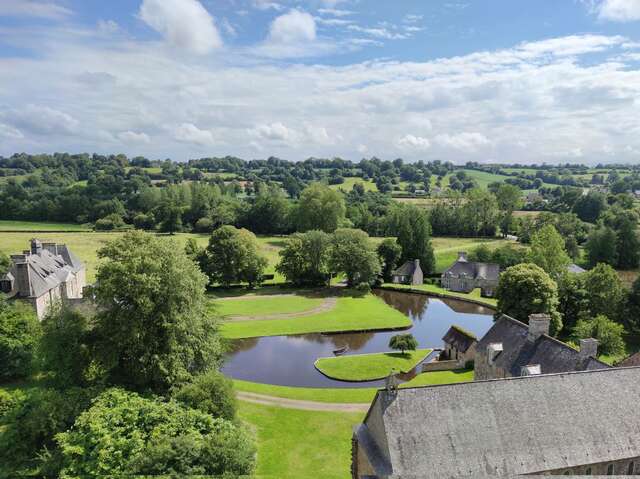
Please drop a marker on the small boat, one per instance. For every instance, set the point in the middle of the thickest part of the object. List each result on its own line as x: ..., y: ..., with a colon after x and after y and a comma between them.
x: 338, y: 352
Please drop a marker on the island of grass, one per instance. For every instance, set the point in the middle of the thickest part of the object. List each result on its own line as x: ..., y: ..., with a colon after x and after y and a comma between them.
x: 370, y: 367
x: 352, y: 312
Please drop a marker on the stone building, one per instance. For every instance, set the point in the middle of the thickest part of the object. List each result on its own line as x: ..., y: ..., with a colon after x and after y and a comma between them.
x: 43, y: 275
x: 464, y: 276
x: 578, y: 423
x: 511, y: 348
x: 633, y: 360
x: 409, y: 273
x: 459, y: 345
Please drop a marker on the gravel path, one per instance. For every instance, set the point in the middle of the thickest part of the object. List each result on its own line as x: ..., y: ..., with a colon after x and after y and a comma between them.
x: 300, y: 404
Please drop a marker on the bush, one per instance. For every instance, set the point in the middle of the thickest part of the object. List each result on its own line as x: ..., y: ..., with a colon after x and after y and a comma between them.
x: 607, y: 332
x: 9, y: 400
x: 109, y: 222
x: 212, y: 393
x: 19, y: 336
x: 144, y: 222
x: 204, y: 225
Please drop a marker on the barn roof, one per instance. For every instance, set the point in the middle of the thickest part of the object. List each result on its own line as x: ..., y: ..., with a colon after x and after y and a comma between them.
x: 459, y: 338
x: 474, y: 270
x: 504, y: 427
x: 407, y: 269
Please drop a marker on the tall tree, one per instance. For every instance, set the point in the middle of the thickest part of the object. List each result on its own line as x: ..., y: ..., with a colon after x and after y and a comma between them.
x: 305, y: 258
x: 353, y: 254
x: 605, y: 292
x: 602, y: 246
x: 320, y: 208
x: 628, y: 244
x: 152, y: 326
x: 389, y: 252
x: 547, y: 251
x: 413, y: 232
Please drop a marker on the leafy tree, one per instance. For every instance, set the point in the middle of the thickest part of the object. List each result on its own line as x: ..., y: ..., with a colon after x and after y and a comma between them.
x: 547, y: 251
x: 269, y: 213
x: 232, y: 257
x: 125, y: 434
x: 320, y: 208
x: 305, y: 258
x: 212, y: 393
x: 589, y: 207
x: 403, y: 342
x: 389, y: 252
x: 19, y: 335
x: 193, y: 250
x: 573, y: 299
x: 509, y: 197
x: 152, y: 328
x: 5, y: 263
x: 353, y: 254
x: 571, y: 247
x: 414, y: 236
x: 109, y: 222
x: 607, y: 332
x: 170, y: 215
x: 605, y: 292
x: 204, y: 225
x: 65, y: 347
x: 628, y: 244
x: 632, y: 313
x: 602, y: 246
x: 527, y: 289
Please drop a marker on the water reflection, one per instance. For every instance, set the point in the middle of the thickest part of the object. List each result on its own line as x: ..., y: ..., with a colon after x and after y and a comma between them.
x: 288, y: 360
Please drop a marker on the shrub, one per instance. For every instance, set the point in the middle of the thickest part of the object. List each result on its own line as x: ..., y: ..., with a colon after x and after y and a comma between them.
x: 607, y: 332
x: 19, y: 335
x: 9, y: 400
x: 109, y: 222
x: 210, y: 392
x: 204, y: 225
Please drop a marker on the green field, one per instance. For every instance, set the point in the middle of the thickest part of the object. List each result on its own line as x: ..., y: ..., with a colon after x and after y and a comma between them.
x: 350, y: 314
x: 295, y: 444
x: 349, y: 182
x: 10, y: 225
x: 370, y: 367
x: 264, y: 305
x: 446, y: 249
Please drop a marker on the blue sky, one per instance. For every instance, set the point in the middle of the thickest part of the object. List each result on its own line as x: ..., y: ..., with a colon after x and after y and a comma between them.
x: 491, y: 81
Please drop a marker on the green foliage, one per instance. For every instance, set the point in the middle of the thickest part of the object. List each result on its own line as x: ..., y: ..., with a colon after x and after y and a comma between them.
x: 605, y: 292
x: 305, y: 258
x: 152, y: 328
x: 589, y: 207
x: 19, y: 335
x: 403, y: 342
x: 572, y: 299
x: 320, y: 208
x: 269, y: 212
x: 125, y: 434
x: 110, y: 222
x: 65, y: 348
x: 607, y: 332
x: 193, y: 250
x: 547, y: 251
x: 204, y: 225
x: 232, y: 257
x: 5, y: 263
x: 526, y: 289
x: 212, y: 393
x: 505, y: 256
x: 628, y: 243
x: 9, y: 400
x: 509, y: 197
x: 413, y: 231
x: 389, y: 252
x: 632, y: 314
x: 353, y: 254
x: 602, y: 246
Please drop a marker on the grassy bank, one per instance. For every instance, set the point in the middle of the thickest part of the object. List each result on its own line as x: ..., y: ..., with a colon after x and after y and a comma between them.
x: 328, y: 395
x: 10, y: 225
x: 437, y: 290
x: 369, y: 367
x: 350, y: 314
x: 440, y: 377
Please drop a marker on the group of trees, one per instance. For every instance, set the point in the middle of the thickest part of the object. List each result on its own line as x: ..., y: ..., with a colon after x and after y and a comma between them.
x: 132, y: 389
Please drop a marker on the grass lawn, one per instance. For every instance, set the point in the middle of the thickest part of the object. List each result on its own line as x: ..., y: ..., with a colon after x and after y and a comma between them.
x: 301, y: 444
x: 369, y: 367
x: 432, y: 288
x: 350, y: 314
x: 263, y: 305
x: 440, y: 377
x: 347, y: 186
x: 446, y: 249
x: 328, y: 395
x: 10, y: 225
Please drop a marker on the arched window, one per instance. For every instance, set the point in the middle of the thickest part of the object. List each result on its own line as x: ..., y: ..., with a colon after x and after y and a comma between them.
x: 610, y: 470
x: 630, y: 469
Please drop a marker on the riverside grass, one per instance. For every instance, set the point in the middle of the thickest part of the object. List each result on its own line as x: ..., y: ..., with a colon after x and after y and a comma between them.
x: 370, y: 367
x: 264, y: 305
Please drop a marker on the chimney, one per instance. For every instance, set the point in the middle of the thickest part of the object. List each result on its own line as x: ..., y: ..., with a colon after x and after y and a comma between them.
x: 416, y: 263
x: 531, y: 370
x: 36, y: 246
x: 51, y: 247
x: 538, y: 325
x: 462, y: 256
x: 588, y: 348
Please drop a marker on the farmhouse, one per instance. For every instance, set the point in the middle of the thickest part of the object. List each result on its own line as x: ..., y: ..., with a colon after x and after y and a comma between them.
x: 464, y: 276
x: 43, y: 275
x: 459, y: 345
x: 409, y: 273
x: 511, y: 348
x: 577, y: 423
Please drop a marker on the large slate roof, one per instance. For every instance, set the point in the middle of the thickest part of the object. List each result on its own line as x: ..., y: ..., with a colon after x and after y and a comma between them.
x: 552, y: 355
x: 459, y: 338
x: 504, y: 427
x: 407, y: 269
x: 471, y: 269
x: 633, y: 360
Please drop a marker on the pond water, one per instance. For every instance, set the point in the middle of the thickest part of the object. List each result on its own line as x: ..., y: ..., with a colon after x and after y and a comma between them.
x: 288, y: 360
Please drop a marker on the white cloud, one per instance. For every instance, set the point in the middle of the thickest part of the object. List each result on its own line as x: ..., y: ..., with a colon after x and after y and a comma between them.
x: 466, y: 142
x: 33, y: 8
x: 108, y: 27
x: 274, y: 132
x: 619, y: 10
x: 189, y: 133
x: 184, y: 24
x: 335, y: 12
x: 294, y: 26
x: 7, y: 131
x: 267, y: 5
x: 133, y: 137
x: 378, y: 32
x: 43, y: 120
x: 414, y: 142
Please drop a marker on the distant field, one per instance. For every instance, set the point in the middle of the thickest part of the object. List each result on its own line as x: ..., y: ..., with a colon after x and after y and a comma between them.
x: 349, y: 182
x: 9, y: 225
x: 483, y: 178
x: 446, y: 249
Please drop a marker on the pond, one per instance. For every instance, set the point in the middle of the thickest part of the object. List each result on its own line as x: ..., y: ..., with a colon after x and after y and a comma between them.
x: 288, y: 360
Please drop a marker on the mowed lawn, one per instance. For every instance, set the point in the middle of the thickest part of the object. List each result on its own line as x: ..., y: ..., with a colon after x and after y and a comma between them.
x: 327, y: 395
x: 10, y: 225
x: 440, y: 377
x: 446, y: 249
x: 370, y: 367
x: 264, y: 305
x: 296, y: 444
x: 351, y: 313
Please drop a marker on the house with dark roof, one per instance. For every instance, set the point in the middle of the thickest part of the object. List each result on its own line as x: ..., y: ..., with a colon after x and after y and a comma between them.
x: 409, y: 273
x: 633, y: 360
x: 43, y: 275
x: 511, y: 348
x: 464, y: 276
x: 576, y: 423
x: 459, y: 345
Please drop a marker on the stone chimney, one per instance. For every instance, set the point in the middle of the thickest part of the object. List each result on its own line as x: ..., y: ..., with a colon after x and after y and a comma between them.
x: 416, y: 263
x: 588, y: 348
x: 531, y: 370
x: 36, y: 246
x: 462, y: 256
x: 538, y: 325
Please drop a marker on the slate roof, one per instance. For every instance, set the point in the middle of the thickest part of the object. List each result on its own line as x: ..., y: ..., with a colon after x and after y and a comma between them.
x: 552, y: 355
x: 574, y: 268
x: 504, y: 427
x: 633, y: 360
x: 471, y: 269
x: 459, y: 338
x: 407, y: 269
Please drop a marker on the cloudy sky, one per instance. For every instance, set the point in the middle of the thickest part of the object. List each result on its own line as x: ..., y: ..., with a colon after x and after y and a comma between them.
x: 490, y: 81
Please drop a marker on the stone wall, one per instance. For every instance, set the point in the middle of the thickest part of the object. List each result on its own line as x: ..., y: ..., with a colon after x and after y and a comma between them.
x: 446, y: 365
x: 483, y: 370
x: 622, y: 467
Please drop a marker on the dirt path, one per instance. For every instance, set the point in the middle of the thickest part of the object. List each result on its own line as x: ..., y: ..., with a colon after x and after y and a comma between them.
x: 327, y: 305
x: 300, y: 404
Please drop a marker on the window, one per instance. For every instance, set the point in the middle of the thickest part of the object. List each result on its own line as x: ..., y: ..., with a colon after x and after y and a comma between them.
x: 566, y: 473
x: 610, y: 470
x: 630, y: 469
x: 587, y: 472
